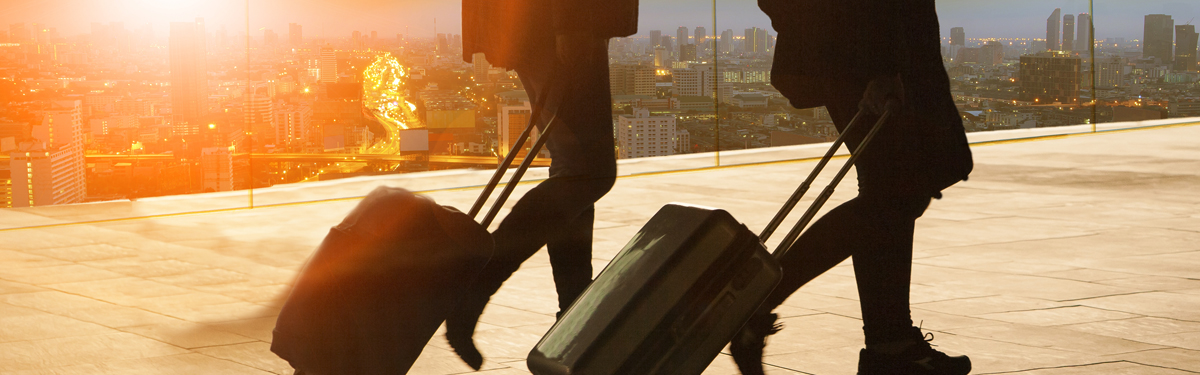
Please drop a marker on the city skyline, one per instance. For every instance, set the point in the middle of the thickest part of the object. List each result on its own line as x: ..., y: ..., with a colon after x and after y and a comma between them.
x: 323, y: 19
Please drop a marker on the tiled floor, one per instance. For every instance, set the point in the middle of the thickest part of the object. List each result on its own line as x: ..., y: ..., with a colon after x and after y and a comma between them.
x: 1077, y: 255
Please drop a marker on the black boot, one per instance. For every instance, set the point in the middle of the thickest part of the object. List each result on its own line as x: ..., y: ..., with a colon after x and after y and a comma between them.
x: 747, y: 346
x: 919, y: 358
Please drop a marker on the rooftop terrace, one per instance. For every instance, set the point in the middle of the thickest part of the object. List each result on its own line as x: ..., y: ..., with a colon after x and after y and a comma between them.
x: 1062, y: 255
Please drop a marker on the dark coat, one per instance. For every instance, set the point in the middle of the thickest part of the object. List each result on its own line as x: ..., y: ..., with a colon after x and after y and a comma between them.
x: 827, y: 52
x: 846, y: 43
x: 508, y: 31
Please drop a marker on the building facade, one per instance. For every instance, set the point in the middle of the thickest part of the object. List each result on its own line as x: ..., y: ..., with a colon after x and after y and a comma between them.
x: 642, y: 135
x: 1157, y: 38
x: 1049, y: 77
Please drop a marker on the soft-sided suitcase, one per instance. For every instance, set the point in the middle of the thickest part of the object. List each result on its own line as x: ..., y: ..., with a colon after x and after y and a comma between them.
x: 384, y: 280
x: 677, y: 293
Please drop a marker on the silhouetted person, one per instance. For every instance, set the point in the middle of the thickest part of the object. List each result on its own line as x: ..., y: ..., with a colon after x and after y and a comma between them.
x: 560, y: 46
x: 847, y: 55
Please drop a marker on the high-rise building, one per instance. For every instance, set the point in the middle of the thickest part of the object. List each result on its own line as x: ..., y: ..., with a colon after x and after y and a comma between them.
x: 992, y: 53
x: 216, y: 164
x: 701, y: 42
x: 292, y: 125
x: 666, y: 44
x: 642, y: 135
x: 1083, y: 37
x: 958, y: 37
x: 756, y: 41
x: 631, y: 79
x: 512, y: 118
x: 1157, y: 38
x: 1185, y: 48
x: 479, y: 67
x: 660, y: 57
x: 725, y: 44
x: 259, y: 117
x: 697, y: 80
x: 1049, y: 77
x: 328, y: 68
x: 295, y: 34
x: 189, y: 75
x: 687, y: 52
x: 1112, y: 72
x: 1052, y: 30
x: 50, y: 169
x: 681, y: 35
x: 1068, y: 33
x: 655, y: 38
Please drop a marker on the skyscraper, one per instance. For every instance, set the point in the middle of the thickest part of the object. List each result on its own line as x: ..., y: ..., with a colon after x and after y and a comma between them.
x: 479, y: 67
x: 655, y: 38
x: 701, y: 43
x: 681, y: 35
x: 1083, y: 37
x: 328, y: 65
x: 1068, y: 33
x: 725, y: 44
x: 1052, y: 29
x: 642, y: 135
x: 259, y: 116
x: 50, y: 169
x: 189, y: 75
x: 756, y: 41
x: 295, y: 34
x: 1157, y: 37
x: 958, y: 37
x: 630, y: 79
x: 687, y: 52
x: 1185, y: 48
x: 1049, y: 77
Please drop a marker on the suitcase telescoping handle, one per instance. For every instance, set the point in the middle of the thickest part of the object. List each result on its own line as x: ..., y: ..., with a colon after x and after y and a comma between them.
x: 816, y: 205
x: 535, y: 115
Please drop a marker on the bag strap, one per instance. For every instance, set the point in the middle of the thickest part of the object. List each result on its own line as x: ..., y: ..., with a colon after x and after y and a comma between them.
x: 821, y: 199
x: 535, y: 115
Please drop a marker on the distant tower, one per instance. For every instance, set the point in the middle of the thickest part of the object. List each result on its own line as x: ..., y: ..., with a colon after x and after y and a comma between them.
x: 1157, y: 37
x: 1185, y: 48
x: 655, y: 38
x: 681, y: 35
x: 1052, y: 29
x: 295, y: 34
x: 259, y: 116
x: 189, y: 75
x: 701, y: 43
x: 328, y: 67
x: 725, y: 45
x: 480, y: 67
x: 1068, y: 33
x: 958, y: 37
x: 50, y: 169
x: 1083, y: 37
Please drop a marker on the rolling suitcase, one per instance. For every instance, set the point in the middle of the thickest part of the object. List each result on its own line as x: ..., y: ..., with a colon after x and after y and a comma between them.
x: 383, y: 281
x: 678, y: 291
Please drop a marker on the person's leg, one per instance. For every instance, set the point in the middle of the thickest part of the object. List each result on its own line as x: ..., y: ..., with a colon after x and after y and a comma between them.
x: 571, y: 259
x: 559, y: 210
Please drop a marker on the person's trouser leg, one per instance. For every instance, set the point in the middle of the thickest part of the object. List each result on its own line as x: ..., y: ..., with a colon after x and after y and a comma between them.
x: 558, y: 211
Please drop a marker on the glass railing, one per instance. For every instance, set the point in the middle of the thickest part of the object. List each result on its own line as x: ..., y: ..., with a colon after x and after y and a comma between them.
x: 189, y: 114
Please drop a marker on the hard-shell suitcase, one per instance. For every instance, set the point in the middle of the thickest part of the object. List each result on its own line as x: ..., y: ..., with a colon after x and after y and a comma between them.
x: 677, y: 293
x: 384, y: 280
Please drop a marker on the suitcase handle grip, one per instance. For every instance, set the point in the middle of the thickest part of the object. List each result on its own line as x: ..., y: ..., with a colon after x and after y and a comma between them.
x: 821, y: 199
x: 535, y: 114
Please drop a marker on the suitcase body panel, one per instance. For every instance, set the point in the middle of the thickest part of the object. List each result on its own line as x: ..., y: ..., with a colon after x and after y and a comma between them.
x: 379, y: 286
x: 667, y: 303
